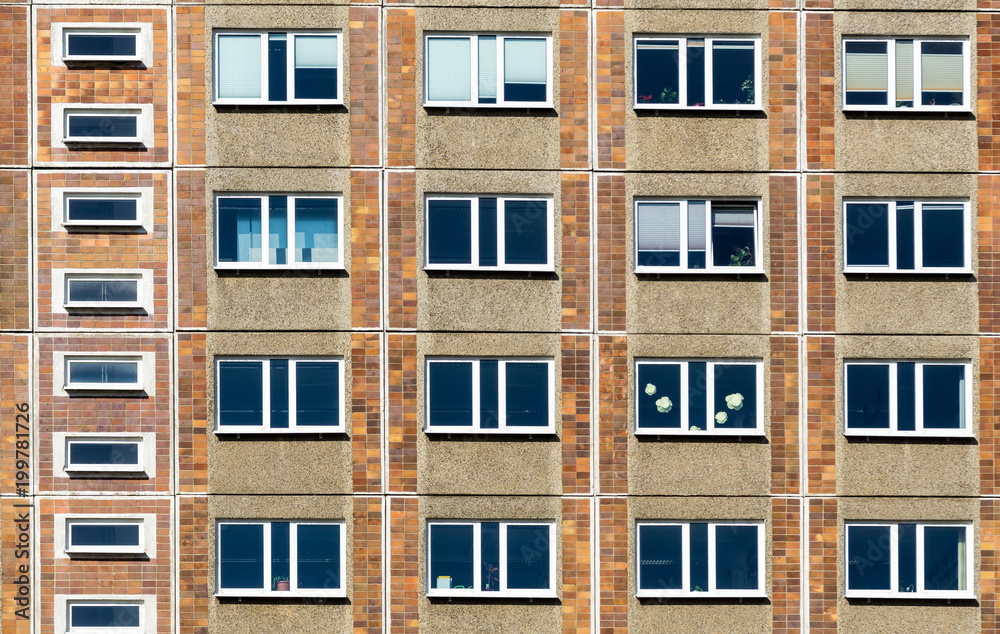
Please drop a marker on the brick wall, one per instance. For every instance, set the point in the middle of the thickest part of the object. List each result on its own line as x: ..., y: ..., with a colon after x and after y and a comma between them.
x: 989, y: 253
x: 194, y: 563
x: 364, y: 107
x: 782, y: 69
x: 192, y: 250
x: 366, y: 412
x: 989, y: 563
x: 401, y: 254
x: 613, y: 432
x: 574, y: 88
x: 576, y: 565
x: 367, y: 562
x: 612, y: 207
x: 404, y: 555
x: 192, y: 413
x: 15, y: 62
x: 575, y: 414
x: 15, y: 393
x: 365, y: 295
x: 821, y: 415
x: 575, y: 199
x: 784, y: 386
x: 15, y: 245
x: 989, y: 438
x: 821, y: 261
x: 614, y: 556
x: 784, y: 253
x: 786, y: 564
x: 401, y: 87
x: 823, y: 546
x: 819, y: 89
x: 609, y: 89
x: 401, y: 417
x: 16, y: 595
x: 190, y: 85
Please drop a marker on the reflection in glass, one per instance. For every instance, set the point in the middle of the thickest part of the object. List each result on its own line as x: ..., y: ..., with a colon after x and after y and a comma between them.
x: 241, y: 556
x: 316, y: 230
x: 866, y: 234
x: 489, y: 549
x: 660, y: 557
x: 451, y: 565
x: 945, y: 558
x: 239, y: 230
x: 657, y: 72
x: 869, y: 558
x: 449, y: 231
x: 735, y: 403
x: 527, y: 394
x: 318, y: 557
x: 317, y: 393
x: 525, y: 232
x: 104, y: 534
x: 867, y: 396
x: 450, y: 399
x: 241, y: 393
x: 943, y: 236
x: 280, y: 556
x: 944, y: 396
x: 527, y: 557
x: 733, y: 72
x: 736, y: 558
x: 106, y: 372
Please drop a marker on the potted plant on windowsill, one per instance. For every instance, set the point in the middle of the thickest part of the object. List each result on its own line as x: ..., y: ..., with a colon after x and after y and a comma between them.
x: 280, y: 583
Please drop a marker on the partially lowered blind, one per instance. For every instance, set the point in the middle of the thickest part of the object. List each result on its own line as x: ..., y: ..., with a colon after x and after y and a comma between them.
x: 487, y: 66
x: 904, y: 70
x: 732, y: 216
x: 239, y: 66
x: 315, y: 51
x: 696, y: 225
x: 449, y: 69
x: 524, y: 61
x: 866, y: 66
x: 658, y: 227
x: 941, y: 66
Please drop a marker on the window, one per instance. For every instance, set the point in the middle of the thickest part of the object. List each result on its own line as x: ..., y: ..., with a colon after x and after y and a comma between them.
x: 700, y: 559
x: 703, y: 236
x: 101, y: 45
x: 100, y: 617
x: 105, y: 536
x: 280, y: 395
x: 491, y: 559
x: 278, y: 67
x: 256, y: 231
x: 88, y: 210
x: 509, y: 396
x: 906, y: 236
x: 488, y: 70
x: 103, y: 373
x: 909, y: 560
x: 889, y: 74
x: 104, y: 454
x: 699, y: 397
x: 918, y: 398
x: 275, y: 558
x: 489, y: 232
x: 93, y: 291
x: 720, y: 73
x: 103, y: 126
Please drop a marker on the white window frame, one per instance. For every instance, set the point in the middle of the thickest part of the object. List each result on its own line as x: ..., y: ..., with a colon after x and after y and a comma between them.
x: 290, y: 238
x: 82, y: 276
x: 921, y: 593
x: 917, y: 79
x: 502, y: 427
x: 71, y: 549
x: 710, y: 268
x: 104, y: 387
x: 504, y: 592
x: 501, y: 265
x: 682, y: 73
x: 918, y: 253
x: 85, y: 30
x: 266, y: 387
x: 68, y: 222
x: 69, y: 601
x: 138, y: 468
x: 293, y: 591
x: 711, y: 429
x: 140, y: 124
x: 712, y: 591
x: 264, y: 68
x: 61, y: 197
x: 918, y: 379
x: 474, y: 63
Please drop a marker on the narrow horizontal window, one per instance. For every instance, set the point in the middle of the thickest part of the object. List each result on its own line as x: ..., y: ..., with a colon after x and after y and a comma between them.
x: 89, y: 126
x: 276, y: 558
x: 489, y: 233
x: 279, y: 231
x: 721, y: 73
x: 906, y: 236
x: 491, y: 559
x: 104, y: 454
x: 512, y: 396
x: 889, y: 398
x: 699, y: 397
x: 101, y: 210
x: 279, y: 395
x: 83, y: 291
x: 100, y: 45
x: 488, y: 70
x: 278, y: 67
x: 102, y: 617
x: 104, y: 373
x: 906, y: 74
x: 104, y: 536
x: 700, y: 559
x: 697, y: 236
x: 909, y: 560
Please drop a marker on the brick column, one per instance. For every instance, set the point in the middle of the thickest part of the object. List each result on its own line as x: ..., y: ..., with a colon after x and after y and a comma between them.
x: 364, y: 108
x: 612, y: 102
x: 15, y: 84
x: 401, y: 418
x: 784, y: 253
x: 782, y: 71
x: 404, y: 566
x: 989, y: 563
x: 821, y: 261
x: 823, y: 547
x: 194, y: 562
x: 989, y: 253
x: 576, y: 565
x: 820, y: 95
x: 192, y: 413
x: 18, y: 607
x: 190, y: 85
x: 613, y: 432
x: 17, y: 417
x: 401, y: 87
x: 401, y: 255
x: 575, y: 198
x: 192, y: 247
x: 784, y: 385
x: 575, y: 414
x: 988, y: 72
x: 366, y: 412
x: 367, y: 562
x: 612, y: 207
x: 821, y: 370
x: 989, y: 420
x: 15, y: 244
x: 365, y: 249
x: 786, y: 564
x: 614, y: 557
x: 574, y: 88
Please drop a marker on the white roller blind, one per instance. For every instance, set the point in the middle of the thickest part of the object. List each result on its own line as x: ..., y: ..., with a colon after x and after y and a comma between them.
x: 524, y: 61
x: 315, y: 51
x: 658, y: 226
x: 866, y: 67
x: 488, y: 66
x: 664, y: 45
x: 697, y: 226
x: 239, y: 66
x: 904, y: 70
x: 449, y: 69
x: 941, y: 73
x: 732, y: 216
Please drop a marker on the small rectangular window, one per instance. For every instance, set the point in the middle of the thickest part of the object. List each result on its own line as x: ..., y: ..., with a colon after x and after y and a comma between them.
x: 103, y: 373
x: 699, y: 397
x: 489, y: 233
x: 104, y: 536
x: 86, y: 210
x: 278, y: 67
x: 700, y: 559
x: 909, y: 560
x: 921, y: 398
x: 276, y: 558
x: 90, y: 291
x: 102, y: 617
x: 491, y: 559
x: 104, y: 454
x: 279, y: 231
x: 697, y: 236
x: 102, y: 126
x: 720, y: 73
x: 906, y: 74
x: 100, y: 45
x: 489, y: 70
x: 510, y: 396
x: 906, y: 236
x: 279, y: 395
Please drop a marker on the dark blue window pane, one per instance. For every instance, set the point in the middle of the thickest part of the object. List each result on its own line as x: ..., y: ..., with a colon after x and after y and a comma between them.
x: 736, y: 558
x: 733, y: 241
x: 945, y: 558
x: 317, y: 393
x: 277, y: 229
x: 100, y: 45
x: 864, y: 94
x: 866, y: 234
x: 661, y: 565
x: 869, y: 558
x: 103, y: 291
x: 102, y: 615
x: 733, y: 72
x: 450, y: 393
x: 696, y: 72
x: 241, y: 556
x: 907, y: 557
x: 698, y: 395
x: 280, y: 553
x: 867, y: 396
x: 945, y: 97
x: 107, y: 372
x: 528, y: 557
x: 735, y: 403
x: 906, y: 397
x: 241, y: 393
x: 316, y: 230
x: 489, y: 554
x: 279, y: 393
x: 659, y: 396
x: 487, y: 231
x: 699, y: 557
x: 277, y: 67
x: 943, y: 237
x: 489, y: 394
x: 527, y: 394
x: 239, y: 229
x: 319, y: 556
x: 315, y: 67
x: 449, y: 232
x: 657, y: 72
x: 905, y: 245
x: 103, y: 453
x: 93, y: 534
x: 102, y: 210
x: 944, y: 396
x: 526, y: 232
x: 105, y: 126
x: 315, y: 83
x: 451, y: 556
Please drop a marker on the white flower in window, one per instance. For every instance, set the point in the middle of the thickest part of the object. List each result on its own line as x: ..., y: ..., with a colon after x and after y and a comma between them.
x: 721, y: 418
x: 650, y: 389
x: 734, y: 401
x: 664, y: 405
x: 695, y: 428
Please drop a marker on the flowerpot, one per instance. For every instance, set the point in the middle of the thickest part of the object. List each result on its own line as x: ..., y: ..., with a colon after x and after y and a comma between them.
x: 283, y: 586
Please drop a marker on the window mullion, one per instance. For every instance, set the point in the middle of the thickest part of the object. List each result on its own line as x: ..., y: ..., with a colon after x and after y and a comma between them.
x: 709, y: 257
x: 290, y: 67
x: 918, y: 235
x: 265, y: 371
x: 890, y: 49
x: 293, y: 555
x: 293, y: 405
x: 502, y: 395
x: 291, y: 256
x: 265, y: 92
x: 477, y: 556
x: 474, y: 230
x: 918, y: 391
x: 892, y: 235
x: 894, y: 557
x: 501, y: 238
x: 474, y: 68
x: 920, y: 558
x: 476, y: 396
x: 709, y: 395
x: 686, y: 557
x: 683, y: 396
x: 501, y: 93
x: 502, y: 564
x: 265, y: 230
x: 683, y: 228
x: 893, y: 397
x: 682, y: 73
x: 711, y: 558
x: 918, y: 87
x: 267, y: 556
x: 709, y: 93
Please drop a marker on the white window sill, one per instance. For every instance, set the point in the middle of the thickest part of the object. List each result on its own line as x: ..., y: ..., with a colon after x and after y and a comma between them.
x: 884, y: 270
x: 503, y: 431
x: 680, y: 594
x: 100, y: 387
x: 909, y: 596
x: 106, y: 553
x: 260, y: 431
x: 537, y: 105
x: 307, y: 266
x: 106, y: 59
x: 261, y: 102
x: 282, y: 594
x: 927, y: 433
x: 915, y: 110
x: 480, y: 594
x: 674, y: 431
x: 102, y: 306
x: 717, y: 107
x: 490, y: 269
x: 100, y: 140
x: 673, y: 270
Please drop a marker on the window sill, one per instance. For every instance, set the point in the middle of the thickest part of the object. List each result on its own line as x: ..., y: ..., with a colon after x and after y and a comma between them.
x: 966, y: 110
x: 105, y: 389
x: 911, y: 596
x: 436, y: 268
x: 435, y: 593
x: 104, y: 141
x: 678, y: 594
x: 719, y: 107
x: 700, y: 433
x: 286, y: 594
x: 929, y: 434
x: 291, y: 431
x: 887, y: 271
x: 268, y: 104
x: 506, y: 431
x: 735, y: 270
x: 106, y: 471
x: 528, y: 105
x: 279, y: 267
x: 105, y: 554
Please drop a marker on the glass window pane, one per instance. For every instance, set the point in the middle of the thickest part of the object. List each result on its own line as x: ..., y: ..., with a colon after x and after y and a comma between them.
x: 697, y: 229
x: 696, y: 72
x: 944, y: 396
x: 451, y: 565
x: 450, y: 393
x: 733, y: 72
x: 735, y: 399
x: 904, y: 73
x: 488, y: 232
x: 907, y: 557
x: 906, y: 396
x: 317, y: 393
x: 280, y: 556
x: 736, y: 558
x: 943, y: 240
x: 315, y: 67
x: 316, y: 230
x: 657, y: 72
x: 945, y: 558
x: 277, y: 230
x: 866, y: 73
x: 528, y: 557
x: 98, y: 615
x: 526, y: 234
x: 319, y: 556
x: 279, y: 393
x: 239, y: 230
x: 239, y: 67
x: 107, y: 372
x: 733, y: 235
x: 449, y: 69
x: 102, y: 209
x: 100, y: 45
x: 449, y: 232
x: 867, y: 234
x: 658, y: 403
x: 105, y: 126
x: 697, y: 395
x: 658, y: 234
x: 867, y: 396
x: 905, y: 241
x: 277, y: 67
x: 489, y: 553
x: 104, y: 534
x: 525, y: 69
x: 942, y: 73
x: 487, y: 69
x: 699, y: 557
x: 103, y: 291
x: 241, y: 556
x: 869, y: 558
x: 241, y: 393
x: 661, y: 565
x: 527, y: 394
x: 489, y: 394
x: 103, y: 453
